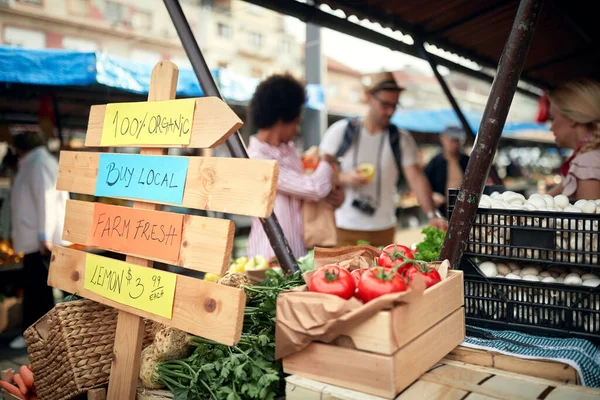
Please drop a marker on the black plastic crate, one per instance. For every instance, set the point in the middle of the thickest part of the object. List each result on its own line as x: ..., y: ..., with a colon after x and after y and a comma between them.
x: 549, y: 309
x: 544, y: 236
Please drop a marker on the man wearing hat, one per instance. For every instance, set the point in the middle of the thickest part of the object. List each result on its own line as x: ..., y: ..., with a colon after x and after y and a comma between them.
x: 38, y: 214
x: 369, y: 212
x: 446, y: 169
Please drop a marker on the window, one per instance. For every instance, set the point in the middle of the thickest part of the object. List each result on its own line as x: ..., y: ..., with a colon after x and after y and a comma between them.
x: 146, y: 56
x: 142, y: 20
x: 332, y: 90
x: 224, y: 30
x: 79, y: 44
x: 78, y: 7
x: 28, y: 38
x: 113, y: 12
x: 286, y: 46
x: 255, y: 39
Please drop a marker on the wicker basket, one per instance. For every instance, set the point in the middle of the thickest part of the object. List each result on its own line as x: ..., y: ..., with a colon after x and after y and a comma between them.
x: 71, y: 348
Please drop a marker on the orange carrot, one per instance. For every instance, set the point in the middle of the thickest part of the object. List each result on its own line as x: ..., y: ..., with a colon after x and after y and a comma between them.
x: 19, y: 381
x: 12, y: 389
x: 27, y: 376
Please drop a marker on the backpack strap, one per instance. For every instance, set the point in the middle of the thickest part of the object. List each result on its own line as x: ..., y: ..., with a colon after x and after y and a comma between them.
x: 349, y: 135
x: 396, y: 149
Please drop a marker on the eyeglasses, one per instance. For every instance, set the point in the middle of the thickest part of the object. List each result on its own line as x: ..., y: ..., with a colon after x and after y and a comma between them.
x: 386, y: 104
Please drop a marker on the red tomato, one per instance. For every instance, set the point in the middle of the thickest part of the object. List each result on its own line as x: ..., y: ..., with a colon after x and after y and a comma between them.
x: 332, y: 279
x: 430, y: 275
x: 356, y: 274
x: 394, y: 255
x: 376, y: 282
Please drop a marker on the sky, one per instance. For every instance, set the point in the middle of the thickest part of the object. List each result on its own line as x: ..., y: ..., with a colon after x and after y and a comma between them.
x: 365, y: 56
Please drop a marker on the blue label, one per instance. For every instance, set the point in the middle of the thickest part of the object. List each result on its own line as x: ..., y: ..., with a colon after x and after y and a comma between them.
x: 153, y: 178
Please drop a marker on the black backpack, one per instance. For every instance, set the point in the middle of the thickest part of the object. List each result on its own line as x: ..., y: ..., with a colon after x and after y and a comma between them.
x: 350, y: 135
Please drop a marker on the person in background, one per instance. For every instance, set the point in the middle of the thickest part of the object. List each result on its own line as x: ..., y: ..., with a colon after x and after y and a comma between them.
x: 369, y: 212
x: 575, y: 115
x: 275, y: 110
x: 38, y: 214
x: 446, y: 169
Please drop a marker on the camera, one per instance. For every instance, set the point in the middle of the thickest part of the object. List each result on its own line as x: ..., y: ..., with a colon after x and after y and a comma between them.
x: 364, y: 205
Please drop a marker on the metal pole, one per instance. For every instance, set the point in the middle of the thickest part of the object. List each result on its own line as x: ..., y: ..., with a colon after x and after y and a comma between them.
x: 490, y: 129
x: 463, y: 120
x: 280, y: 245
x: 314, y: 121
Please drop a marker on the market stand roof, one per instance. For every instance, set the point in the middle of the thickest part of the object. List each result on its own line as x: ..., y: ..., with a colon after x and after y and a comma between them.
x: 566, y: 43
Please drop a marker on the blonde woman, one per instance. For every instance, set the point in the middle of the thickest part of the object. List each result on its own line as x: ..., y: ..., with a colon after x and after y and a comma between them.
x: 575, y: 114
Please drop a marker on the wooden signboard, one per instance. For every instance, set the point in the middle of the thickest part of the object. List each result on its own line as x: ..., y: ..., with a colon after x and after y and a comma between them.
x: 146, y: 234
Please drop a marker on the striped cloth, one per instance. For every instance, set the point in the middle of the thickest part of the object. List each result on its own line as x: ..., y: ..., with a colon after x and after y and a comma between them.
x: 578, y: 353
x: 293, y: 187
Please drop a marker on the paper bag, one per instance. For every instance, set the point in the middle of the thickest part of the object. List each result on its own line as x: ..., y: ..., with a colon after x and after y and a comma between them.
x: 304, y: 317
x: 319, y: 224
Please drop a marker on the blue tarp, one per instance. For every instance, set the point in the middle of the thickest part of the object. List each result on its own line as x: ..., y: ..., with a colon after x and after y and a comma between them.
x: 74, y: 68
x: 435, y: 121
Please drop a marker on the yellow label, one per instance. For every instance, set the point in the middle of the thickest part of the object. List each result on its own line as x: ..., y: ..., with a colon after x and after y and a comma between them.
x: 142, y: 123
x: 143, y: 288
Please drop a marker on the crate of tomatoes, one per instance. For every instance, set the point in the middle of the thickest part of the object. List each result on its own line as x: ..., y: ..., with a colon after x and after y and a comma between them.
x: 370, y: 320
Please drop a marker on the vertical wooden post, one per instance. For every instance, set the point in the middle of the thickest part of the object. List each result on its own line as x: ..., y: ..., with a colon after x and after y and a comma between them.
x: 490, y: 130
x: 130, y: 328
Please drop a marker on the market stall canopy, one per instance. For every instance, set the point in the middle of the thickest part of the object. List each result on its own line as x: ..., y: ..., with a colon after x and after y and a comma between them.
x: 435, y: 121
x: 78, y: 80
x: 566, y: 43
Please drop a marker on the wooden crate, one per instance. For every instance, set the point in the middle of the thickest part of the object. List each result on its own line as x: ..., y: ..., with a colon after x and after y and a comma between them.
x: 393, y: 348
x: 451, y: 380
x: 546, y: 369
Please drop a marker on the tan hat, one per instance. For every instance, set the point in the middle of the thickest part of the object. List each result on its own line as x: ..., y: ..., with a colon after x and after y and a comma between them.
x: 381, y: 81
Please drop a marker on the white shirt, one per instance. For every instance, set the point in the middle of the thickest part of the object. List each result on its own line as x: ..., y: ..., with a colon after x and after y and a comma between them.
x: 38, y: 209
x: 349, y: 217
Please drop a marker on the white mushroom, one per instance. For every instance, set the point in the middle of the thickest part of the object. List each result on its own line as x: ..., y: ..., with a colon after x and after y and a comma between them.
x: 573, y: 279
x: 549, y: 200
x: 503, y: 269
x: 560, y: 279
x: 549, y: 279
x: 561, y: 201
x: 580, y: 203
x: 591, y: 282
x: 589, y: 207
x: 512, y: 276
x: 488, y: 269
x: 572, y: 209
x: 538, y: 202
x: 495, y: 195
x: 585, y: 277
x: 530, y: 271
x: 533, y: 278
x: 513, y: 266
x: 545, y: 274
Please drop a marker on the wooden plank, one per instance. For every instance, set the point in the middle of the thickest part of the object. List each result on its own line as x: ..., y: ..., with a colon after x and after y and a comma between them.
x: 525, y: 378
x: 201, y: 308
x: 417, y: 357
x: 129, y: 334
x: 206, y: 242
x: 432, y: 391
x: 387, y: 331
x: 230, y: 185
x: 538, y: 368
x: 213, y: 123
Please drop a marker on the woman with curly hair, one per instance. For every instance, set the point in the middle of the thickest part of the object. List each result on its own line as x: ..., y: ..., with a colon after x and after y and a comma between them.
x: 275, y: 110
x: 575, y: 114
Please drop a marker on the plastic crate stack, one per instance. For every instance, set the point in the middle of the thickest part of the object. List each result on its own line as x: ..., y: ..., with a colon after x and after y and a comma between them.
x: 552, y: 243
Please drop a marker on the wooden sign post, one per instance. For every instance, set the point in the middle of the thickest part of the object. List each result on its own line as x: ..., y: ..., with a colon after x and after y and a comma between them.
x: 145, y: 234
